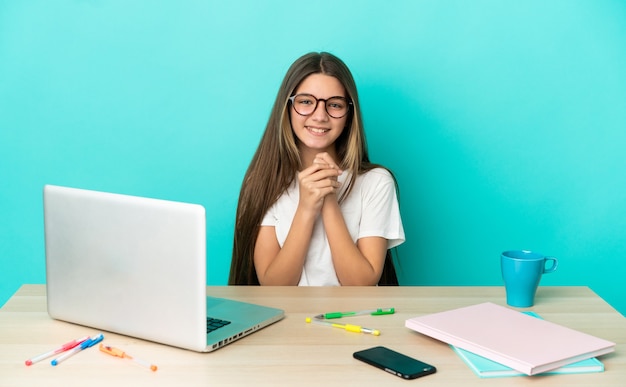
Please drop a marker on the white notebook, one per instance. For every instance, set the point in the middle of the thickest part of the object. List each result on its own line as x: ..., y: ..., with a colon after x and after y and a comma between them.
x: 524, y: 343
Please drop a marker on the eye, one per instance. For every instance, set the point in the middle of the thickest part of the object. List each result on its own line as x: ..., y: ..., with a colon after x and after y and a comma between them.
x: 304, y: 100
x: 336, y: 104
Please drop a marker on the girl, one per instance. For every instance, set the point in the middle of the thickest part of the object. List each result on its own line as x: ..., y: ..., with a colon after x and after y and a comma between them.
x: 312, y: 209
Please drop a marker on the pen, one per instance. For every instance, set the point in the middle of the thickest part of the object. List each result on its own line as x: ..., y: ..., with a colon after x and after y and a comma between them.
x: 65, y: 347
x: 90, y: 342
x: 347, y: 327
x: 371, y: 312
x: 119, y: 353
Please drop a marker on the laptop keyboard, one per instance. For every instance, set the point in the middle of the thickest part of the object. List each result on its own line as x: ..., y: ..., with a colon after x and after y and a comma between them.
x: 215, y: 323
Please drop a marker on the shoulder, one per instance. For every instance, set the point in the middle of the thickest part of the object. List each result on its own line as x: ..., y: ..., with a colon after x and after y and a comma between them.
x: 378, y: 175
x: 375, y: 182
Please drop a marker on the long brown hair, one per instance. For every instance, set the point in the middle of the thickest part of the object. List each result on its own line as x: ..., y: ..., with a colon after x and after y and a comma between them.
x: 276, y: 161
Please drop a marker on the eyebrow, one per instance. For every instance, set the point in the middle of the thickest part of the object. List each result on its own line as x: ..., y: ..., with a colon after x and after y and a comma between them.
x: 325, y: 99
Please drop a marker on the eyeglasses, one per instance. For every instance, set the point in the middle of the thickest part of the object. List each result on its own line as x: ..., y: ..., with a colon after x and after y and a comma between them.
x: 305, y: 105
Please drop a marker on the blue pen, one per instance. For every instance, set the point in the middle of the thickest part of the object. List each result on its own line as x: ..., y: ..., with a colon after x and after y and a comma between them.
x: 90, y: 342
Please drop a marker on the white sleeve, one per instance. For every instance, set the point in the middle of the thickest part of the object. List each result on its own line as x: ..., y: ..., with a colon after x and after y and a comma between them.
x: 270, y: 218
x: 381, y: 211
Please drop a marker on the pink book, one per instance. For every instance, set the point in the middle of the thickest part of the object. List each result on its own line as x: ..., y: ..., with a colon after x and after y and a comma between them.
x: 519, y: 341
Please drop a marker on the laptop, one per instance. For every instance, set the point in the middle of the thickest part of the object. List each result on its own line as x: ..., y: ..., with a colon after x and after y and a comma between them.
x: 137, y: 266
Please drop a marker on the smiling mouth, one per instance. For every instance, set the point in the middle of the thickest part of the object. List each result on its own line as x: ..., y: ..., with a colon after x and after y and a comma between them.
x: 317, y: 130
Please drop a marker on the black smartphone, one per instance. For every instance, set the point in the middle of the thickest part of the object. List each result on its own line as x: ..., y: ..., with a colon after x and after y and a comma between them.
x: 395, y: 363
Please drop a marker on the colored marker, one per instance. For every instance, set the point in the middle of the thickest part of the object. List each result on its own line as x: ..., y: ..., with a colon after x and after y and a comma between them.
x: 347, y: 327
x: 371, y: 312
x: 90, y: 342
x: 119, y: 353
x: 63, y: 348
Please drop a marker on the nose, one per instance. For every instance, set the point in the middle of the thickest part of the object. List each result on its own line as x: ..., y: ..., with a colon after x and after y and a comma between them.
x: 320, y: 114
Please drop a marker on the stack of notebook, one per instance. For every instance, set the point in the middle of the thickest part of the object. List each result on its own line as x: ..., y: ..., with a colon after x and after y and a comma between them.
x: 488, y: 336
x: 486, y: 368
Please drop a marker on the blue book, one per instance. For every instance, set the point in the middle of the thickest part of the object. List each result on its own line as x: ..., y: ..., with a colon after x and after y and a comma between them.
x: 486, y: 368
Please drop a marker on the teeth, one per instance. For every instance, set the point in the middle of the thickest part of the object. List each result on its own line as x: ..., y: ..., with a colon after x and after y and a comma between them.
x: 317, y: 130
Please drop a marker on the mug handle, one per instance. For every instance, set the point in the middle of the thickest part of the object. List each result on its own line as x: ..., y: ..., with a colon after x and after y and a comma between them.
x: 552, y: 268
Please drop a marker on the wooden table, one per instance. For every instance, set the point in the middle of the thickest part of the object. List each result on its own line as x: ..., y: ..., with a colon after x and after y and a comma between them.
x: 292, y: 352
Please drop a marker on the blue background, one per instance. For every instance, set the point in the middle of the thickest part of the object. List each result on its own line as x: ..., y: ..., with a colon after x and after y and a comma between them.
x: 504, y: 121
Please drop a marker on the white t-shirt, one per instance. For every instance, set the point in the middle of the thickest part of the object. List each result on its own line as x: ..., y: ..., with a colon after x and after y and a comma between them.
x: 371, y: 209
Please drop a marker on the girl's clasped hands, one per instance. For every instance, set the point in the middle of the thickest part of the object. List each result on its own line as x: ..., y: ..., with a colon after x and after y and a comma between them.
x: 319, y: 181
